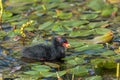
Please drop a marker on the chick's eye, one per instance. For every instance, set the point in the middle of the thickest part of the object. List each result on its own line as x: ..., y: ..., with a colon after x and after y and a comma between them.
x: 63, y: 41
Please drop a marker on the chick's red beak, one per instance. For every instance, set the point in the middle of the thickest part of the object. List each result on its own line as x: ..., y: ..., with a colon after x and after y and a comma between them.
x: 66, y: 45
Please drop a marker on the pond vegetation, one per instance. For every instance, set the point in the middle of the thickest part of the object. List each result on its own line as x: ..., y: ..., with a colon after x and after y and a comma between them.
x: 92, y: 27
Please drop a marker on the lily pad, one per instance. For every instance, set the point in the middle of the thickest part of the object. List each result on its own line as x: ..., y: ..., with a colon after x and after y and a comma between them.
x: 96, y: 24
x: 45, y: 25
x: 79, y: 71
x: 94, y: 78
x: 34, y: 73
x: 75, y: 61
x: 41, y: 68
x: 101, y: 30
x: 74, y: 23
x: 53, y: 74
x: 89, y: 47
x: 53, y: 65
x: 88, y: 16
x: 63, y: 15
x: 81, y: 33
x: 96, y: 4
x: 108, y: 53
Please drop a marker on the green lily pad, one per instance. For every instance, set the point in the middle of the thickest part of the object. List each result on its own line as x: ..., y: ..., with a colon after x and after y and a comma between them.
x: 74, y: 23
x: 96, y: 4
x: 88, y: 16
x: 89, y: 47
x: 64, y: 5
x: 2, y: 34
x: 109, y: 64
x: 96, y: 24
x: 45, y: 25
x: 108, y: 53
x: 13, y: 33
x: 79, y: 71
x: 99, y: 62
x: 53, y: 74
x: 106, y: 12
x: 101, y: 30
x: 94, y: 78
x: 41, y: 68
x: 34, y: 73
x: 75, y: 61
x: 53, y: 65
x: 63, y: 15
x: 81, y: 33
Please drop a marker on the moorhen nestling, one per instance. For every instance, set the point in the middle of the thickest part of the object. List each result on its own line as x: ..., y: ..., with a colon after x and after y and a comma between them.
x: 43, y: 52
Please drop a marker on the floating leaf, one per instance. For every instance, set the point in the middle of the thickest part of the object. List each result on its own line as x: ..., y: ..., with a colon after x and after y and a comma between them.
x: 2, y: 34
x: 76, y: 43
x: 41, y: 68
x: 63, y: 15
x: 58, y: 1
x: 113, y: 1
x: 64, y: 5
x: 79, y: 71
x: 53, y: 74
x: 19, y: 2
x: 109, y: 64
x: 104, y: 38
x: 74, y: 23
x: 102, y: 30
x: 75, y: 61
x: 34, y: 73
x: 100, y: 5
x: 96, y: 24
x: 58, y: 28
x: 96, y: 4
x: 53, y: 65
x: 81, y: 33
x: 45, y: 25
x: 108, y: 53
x: 13, y: 33
x: 94, y: 78
x: 88, y: 16
x: 89, y: 47
x: 107, y: 12
x: 7, y: 14
x: 99, y: 62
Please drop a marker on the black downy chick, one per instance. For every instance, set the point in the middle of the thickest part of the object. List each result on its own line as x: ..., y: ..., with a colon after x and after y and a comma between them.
x: 43, y: 52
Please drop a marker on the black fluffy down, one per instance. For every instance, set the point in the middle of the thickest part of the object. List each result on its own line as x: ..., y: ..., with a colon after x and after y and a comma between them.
x: 41, y: 52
